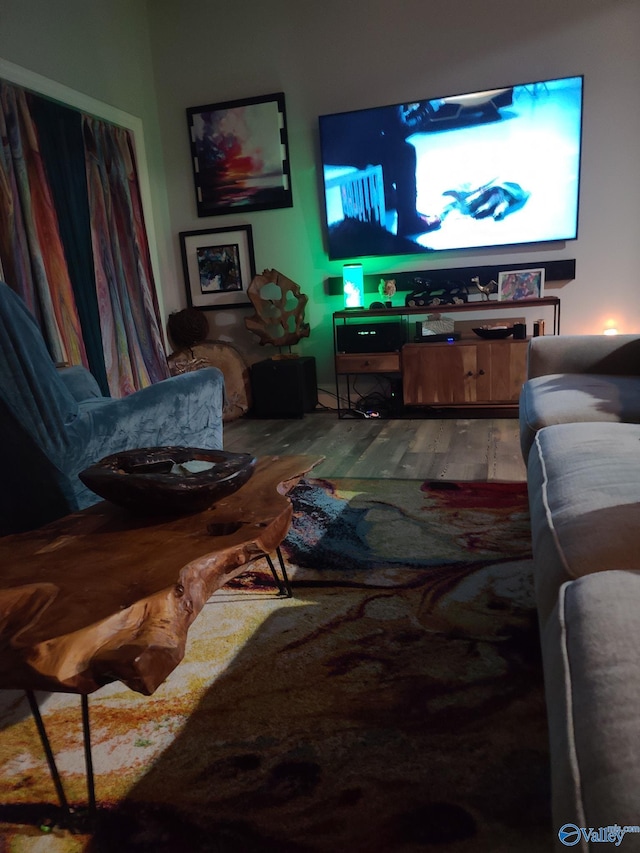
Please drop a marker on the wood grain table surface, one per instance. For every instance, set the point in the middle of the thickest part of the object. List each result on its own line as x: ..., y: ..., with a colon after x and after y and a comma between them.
x: 103, y: 595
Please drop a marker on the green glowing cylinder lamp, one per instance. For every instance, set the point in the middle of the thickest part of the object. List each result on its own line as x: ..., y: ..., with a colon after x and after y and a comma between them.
x: 353, y: 285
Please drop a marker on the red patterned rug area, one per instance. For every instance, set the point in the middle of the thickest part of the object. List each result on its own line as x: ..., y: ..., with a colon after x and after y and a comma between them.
x: 395, y: 704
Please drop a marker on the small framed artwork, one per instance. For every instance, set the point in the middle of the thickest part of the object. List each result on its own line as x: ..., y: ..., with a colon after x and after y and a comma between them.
x: 240, y: 155
x: 520, y: 284
x: 218, y: 266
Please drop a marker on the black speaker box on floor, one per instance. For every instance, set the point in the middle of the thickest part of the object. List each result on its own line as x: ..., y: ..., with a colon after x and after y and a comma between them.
x: 284, y: 388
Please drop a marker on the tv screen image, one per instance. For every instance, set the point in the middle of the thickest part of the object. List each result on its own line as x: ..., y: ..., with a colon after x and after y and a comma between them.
x: 493, y: 168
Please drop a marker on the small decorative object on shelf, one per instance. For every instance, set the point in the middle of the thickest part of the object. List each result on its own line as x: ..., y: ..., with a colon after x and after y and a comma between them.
x: 434, y: 325
x: 493, y: 333
x: 427, y: 293
x: 521, y: 284
x: 387, y: 289
x: 485, y: 289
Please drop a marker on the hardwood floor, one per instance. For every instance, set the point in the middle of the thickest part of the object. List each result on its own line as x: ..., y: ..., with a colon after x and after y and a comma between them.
x: 449, y: 449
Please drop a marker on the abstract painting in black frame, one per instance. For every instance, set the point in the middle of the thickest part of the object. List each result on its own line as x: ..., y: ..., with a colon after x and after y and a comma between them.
x: 218, y: 265
x: 240, y: 155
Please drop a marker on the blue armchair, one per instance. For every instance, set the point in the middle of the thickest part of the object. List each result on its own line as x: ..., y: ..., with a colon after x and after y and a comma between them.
x: 55, y: 423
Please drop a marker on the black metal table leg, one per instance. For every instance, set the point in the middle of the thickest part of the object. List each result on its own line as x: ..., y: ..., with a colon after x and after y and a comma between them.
x: 72, y: 817
x: 284, y: 586
x: 53, y: 768
x: 285, y: 576
x: 88, y: 758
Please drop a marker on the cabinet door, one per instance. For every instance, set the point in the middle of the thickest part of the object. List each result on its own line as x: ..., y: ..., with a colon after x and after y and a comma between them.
x: 442, y: 374
x: 506, y: 363
x: 463, y: 373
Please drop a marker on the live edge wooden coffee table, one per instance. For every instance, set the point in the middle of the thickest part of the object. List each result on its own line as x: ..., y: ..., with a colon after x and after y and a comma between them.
x: 102, y: 596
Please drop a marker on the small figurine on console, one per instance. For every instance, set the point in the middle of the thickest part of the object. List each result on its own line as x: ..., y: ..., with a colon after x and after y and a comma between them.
x: 386, y: 289
x: 485, y: 289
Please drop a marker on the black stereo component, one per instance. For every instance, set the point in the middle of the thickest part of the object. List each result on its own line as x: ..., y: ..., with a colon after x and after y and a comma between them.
x: 284, y: 388
x: 370, y: 337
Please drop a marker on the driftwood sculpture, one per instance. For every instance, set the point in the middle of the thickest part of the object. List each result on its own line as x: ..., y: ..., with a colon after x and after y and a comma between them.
x: 279, y: 310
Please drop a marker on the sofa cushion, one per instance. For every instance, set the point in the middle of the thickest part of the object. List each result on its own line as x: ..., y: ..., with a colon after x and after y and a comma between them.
x: 561, y: 398
x: 584, y: 499
x: 590, y: 650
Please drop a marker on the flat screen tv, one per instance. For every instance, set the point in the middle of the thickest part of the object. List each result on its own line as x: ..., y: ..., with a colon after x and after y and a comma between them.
x: 485, y: 169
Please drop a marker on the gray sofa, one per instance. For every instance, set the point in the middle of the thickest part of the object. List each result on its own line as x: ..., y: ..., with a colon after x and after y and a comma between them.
x: 580, y: 435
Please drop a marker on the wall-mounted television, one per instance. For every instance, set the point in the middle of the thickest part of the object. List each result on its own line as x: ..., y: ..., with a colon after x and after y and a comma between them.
x: 499, y: 167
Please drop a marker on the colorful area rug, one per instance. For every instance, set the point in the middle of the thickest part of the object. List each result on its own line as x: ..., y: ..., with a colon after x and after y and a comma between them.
x: 394, y: 705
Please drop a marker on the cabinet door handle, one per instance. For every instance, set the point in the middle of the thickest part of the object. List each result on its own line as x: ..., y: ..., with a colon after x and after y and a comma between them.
x: 481, y: 373
x: 470, y: 373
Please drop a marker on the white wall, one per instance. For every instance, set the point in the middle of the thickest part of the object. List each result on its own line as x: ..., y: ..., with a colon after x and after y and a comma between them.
x: 335, y: 55
x: 155, y: 58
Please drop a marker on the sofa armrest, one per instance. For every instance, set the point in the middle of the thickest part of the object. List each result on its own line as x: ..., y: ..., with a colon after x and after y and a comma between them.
x: 80, y: 383
x: 589, y: 649
x: 617, y: 355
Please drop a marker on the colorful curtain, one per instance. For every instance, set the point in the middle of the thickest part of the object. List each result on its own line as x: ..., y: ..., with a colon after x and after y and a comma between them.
x: 62, y: 149
x: 91, y: 278
x: 32, y: 254
x: 128, y: 306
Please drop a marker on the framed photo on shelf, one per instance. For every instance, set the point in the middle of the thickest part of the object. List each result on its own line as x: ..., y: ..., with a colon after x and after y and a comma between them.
x: 520, y: 284
x: 218, y: 265
x: 240, y: 155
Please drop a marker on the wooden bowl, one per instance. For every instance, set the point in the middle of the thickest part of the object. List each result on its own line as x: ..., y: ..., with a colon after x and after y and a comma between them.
x: 178, y: 480
x: 494, y: 333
